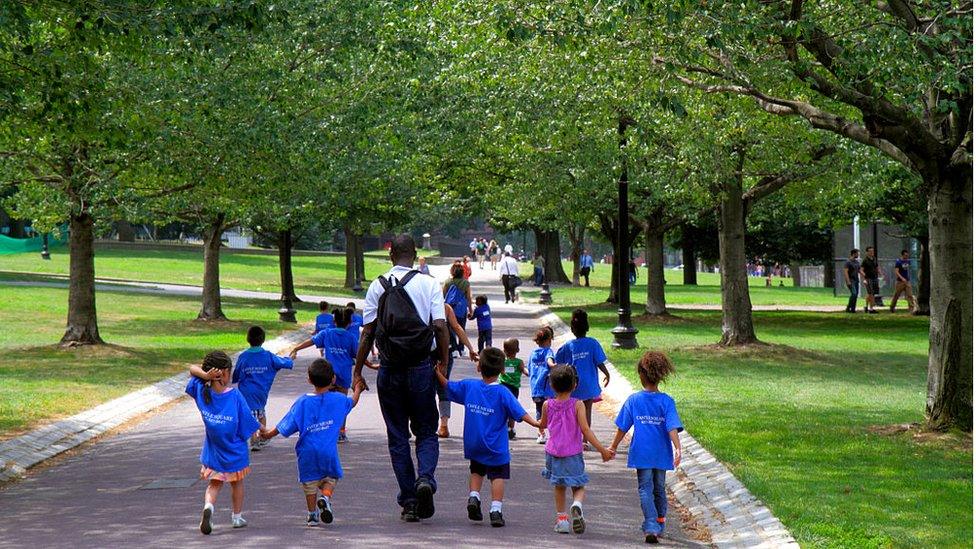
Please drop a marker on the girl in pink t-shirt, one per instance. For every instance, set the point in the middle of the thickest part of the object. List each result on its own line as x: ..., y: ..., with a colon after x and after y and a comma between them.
x: 565, y: 417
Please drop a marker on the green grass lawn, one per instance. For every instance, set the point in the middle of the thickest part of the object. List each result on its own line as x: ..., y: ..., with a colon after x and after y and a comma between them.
x: 707, y: 292
x: 151, y: 338
x: 313, y: 274
x: 798, y: 422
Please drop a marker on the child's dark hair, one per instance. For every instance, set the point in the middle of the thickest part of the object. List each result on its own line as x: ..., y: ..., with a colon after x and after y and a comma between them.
x: 320, y: 373
x: 543, y: 335
x: 323, y: 306
x: 342, y: 316
x: 214, y: 360
x: 481, y: 300
x: 654, y: 367
x: 563, y: 378
x: 491, y: 362
x: 351, y: 305
x: 457, y: 271
x: 580, y: 323
x: 255, y: 336
x: 511, y: 346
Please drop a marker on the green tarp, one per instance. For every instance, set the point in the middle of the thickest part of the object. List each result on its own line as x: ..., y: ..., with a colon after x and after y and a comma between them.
x: 20, y: 245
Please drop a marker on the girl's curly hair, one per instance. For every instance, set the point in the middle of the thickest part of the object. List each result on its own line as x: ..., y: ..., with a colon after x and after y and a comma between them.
x: 654, y: 367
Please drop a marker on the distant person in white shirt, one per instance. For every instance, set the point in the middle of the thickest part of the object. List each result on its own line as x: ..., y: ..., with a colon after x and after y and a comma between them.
x: 411, y: 335
x: 508, y: 248
x: 509, y: 270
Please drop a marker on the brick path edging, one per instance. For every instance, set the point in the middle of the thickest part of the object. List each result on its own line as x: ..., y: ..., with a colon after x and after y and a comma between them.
x: 19, y: 454
x: 704, y: 485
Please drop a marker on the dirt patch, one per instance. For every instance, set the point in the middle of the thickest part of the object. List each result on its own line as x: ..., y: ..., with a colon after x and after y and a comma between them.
x: 664, y: 318
x: 955, y: 440
x: 758, y: 350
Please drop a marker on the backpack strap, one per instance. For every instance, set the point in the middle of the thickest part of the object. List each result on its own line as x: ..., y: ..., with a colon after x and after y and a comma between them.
x: 408, y: 277
x: 384, y: 282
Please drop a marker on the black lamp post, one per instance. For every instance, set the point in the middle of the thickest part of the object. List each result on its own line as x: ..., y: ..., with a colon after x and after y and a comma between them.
x: 624, y: 333
x: 45, y: 254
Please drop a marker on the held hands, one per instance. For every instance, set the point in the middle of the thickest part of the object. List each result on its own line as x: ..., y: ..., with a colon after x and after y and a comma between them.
x: 473, y: 355
x: 358, y: 380
x: 607, y: 454
x: 293, y: 354
x: 265, y: 434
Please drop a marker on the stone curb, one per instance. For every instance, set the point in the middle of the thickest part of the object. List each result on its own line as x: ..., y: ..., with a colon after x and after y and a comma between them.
x: 19, y: 454
x: 705, y: 486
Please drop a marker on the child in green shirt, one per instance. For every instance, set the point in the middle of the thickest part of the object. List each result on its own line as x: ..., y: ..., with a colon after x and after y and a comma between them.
x: 512, y: 377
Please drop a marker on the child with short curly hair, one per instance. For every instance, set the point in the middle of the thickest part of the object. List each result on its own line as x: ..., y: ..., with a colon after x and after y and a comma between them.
x: 654, y: 418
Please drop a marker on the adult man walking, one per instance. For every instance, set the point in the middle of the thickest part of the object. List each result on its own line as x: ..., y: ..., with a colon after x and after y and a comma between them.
x: 586, y: 265
x: 404, y: 315
x: 852, y: 277
x: 903, y: 282
x: 509, y: 270
x: 869, y: 269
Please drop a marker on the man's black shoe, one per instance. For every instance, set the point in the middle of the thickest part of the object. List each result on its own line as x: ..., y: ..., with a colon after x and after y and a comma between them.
x: 496, y: 519
x: 409, y: 513
x: 474, y: 509
x: 425, y: 499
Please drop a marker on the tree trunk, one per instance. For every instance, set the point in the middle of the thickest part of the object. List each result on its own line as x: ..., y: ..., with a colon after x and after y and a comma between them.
x: 924, y: 277
x: 737, y: 328
x: 211, y: 308
x: 82, y: 328
x: 126, y: 231
x: 654, y: 250
x: 351, y: 241
x: 576, y: 240
x: 548, y: 243
x: 360, y: 259
x: 688, y: 258
x: 285, y: 245
x: 950, y: 371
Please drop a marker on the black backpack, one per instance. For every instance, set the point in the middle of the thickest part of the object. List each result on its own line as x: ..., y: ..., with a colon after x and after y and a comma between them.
x: 402, y: 338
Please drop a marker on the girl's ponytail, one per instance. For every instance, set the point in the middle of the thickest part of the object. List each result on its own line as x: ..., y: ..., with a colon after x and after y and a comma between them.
x: 218, y: 360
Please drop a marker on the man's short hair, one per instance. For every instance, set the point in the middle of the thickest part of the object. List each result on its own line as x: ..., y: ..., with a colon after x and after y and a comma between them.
x: 403, y: 246
x: 869, y: 248
x: 903, y: 252
x: 855, y: 251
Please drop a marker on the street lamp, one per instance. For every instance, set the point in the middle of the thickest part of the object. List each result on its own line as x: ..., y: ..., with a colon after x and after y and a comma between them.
x: 624, y: 333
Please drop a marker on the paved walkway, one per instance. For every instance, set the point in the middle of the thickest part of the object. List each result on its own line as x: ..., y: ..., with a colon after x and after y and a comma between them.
x: 139, y: 487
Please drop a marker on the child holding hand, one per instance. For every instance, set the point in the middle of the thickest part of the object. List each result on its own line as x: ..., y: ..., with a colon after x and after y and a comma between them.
x: 229, y: 424
x: 565, y: 418
x: 487, y: 407
x: 255, y: 373
x: 511, y: 378
x: 541, y: 360
x: 317, y: 417
x: 656, y: 425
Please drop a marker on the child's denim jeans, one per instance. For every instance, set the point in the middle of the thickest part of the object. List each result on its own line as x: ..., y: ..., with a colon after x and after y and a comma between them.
x: 654, y: 499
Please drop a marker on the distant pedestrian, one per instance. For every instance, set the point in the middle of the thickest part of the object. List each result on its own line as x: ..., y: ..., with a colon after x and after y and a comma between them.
x: 852, y: 278
x: 473, y: 246
x: 538, y: 269
x: 508, y: 248
x: 869, y: 269
x: 485, y: 444
x: 255, y: 372
x: 632, y: 271
x: 404, y: 314
x: 586, y: 265
x: 422, y: 267
x: 586, y: 355
x: 654, y: 418
x: 229, y: 424
x: 457, y: 294
x: 324, y: 319
x: 314, y: 416
x: 481, y: 249
x: 565, y: 417
x: 509, y: 270
x: 494, y: 253
x: 903, y: 282
x: 466, y: 265
x: 482, y: 313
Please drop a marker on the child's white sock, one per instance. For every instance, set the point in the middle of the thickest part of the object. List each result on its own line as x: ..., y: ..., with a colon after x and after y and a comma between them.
x: 235, y: 516
x: 496, y: 506
x: 474, y: 494
x: 578, y: 504
x: 208, y: 506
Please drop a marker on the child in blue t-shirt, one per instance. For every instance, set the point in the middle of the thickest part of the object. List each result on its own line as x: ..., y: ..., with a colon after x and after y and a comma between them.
x: 315, y: 416
x: 355, y: 320
x: 255, y: 372
x: 587, y: 356
x: 656, y: 425
x: 540, y: 361
x: 324, y: 320
x: 229, y: 424
x: 487, y: 408
x: 339, y: 346
x: 482, y: 312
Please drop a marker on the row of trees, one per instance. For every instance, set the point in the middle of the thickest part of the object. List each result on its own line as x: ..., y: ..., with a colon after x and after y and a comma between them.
x: 367, y: 116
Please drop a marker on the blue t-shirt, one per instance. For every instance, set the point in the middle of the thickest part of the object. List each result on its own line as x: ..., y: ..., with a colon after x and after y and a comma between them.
x: 483, y: 314
x: 539, y: 372
x: 339, y: 347
x: 324, y: 321
x: 228, y: 423
x: 584, y: 354
x: 586, y: 261
x: 355, y: 323
x: 903, y: 266
x: 317, y: 420
x: 487, y: 409
x: 653, y: 416
x: 255, y: 372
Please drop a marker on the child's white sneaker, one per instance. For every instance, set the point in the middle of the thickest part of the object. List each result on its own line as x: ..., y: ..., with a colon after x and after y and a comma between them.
x: 542, y: 439
x: 238, y: 522
x: 562, y: 526
x: 312, y: 519
x: 326, y: 507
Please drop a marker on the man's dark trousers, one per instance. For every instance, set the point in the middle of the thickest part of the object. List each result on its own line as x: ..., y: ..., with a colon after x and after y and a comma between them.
x: 852, y: 301
x: 407, y: 401
x: 585, y: 271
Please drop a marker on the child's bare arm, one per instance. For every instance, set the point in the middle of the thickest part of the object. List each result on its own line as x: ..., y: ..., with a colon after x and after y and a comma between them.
x: 531, y: 421
x: 267, y: 434
x: 525, y: 371
x: 544, y: 420
x: 617, y: 439
x: 197, y: 371
x: 551, y: 362
x: 303, y: 345
x: 606, y: 373
x: 357, y: 391
x: 677, y: 446
x: 441, y: 378
x: 588, y: 435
